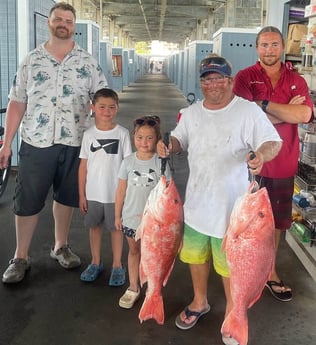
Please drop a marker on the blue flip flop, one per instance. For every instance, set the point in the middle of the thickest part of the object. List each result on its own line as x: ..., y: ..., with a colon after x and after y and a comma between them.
x: 183, y: 325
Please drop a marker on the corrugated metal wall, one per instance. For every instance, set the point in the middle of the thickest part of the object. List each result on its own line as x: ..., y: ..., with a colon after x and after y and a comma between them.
x: 8, y: 58
x: 38, y: 13
x: 8, y: 49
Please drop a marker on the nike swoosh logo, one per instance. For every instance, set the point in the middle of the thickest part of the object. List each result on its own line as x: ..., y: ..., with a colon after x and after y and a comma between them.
x: 96, y: 148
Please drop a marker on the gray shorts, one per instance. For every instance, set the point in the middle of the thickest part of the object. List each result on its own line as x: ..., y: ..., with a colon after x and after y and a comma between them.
x: 42, y: 168
x: 100, y: 214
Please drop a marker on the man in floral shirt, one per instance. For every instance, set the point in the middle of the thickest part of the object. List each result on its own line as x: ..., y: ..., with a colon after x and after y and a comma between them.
x: 50, y: 98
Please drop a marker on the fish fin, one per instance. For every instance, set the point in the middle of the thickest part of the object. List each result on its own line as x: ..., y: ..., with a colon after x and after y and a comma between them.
x: 142, y: 275
x: 152, y: 308
x: 272, y: 265
x: 168, y: 274
x: 236, y: 327
x: 255, y: 299
x: 180, y: 245
x: 224, y: 244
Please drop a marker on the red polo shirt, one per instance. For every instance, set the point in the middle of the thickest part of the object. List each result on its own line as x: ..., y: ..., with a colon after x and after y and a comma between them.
x: 253, y: 83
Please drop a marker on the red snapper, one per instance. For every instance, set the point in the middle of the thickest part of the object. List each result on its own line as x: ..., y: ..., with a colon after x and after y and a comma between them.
x: 249, y: 247
x: 161, y: 233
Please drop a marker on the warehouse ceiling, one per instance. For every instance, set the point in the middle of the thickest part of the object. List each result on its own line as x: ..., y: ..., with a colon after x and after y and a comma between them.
x: 163, y: 20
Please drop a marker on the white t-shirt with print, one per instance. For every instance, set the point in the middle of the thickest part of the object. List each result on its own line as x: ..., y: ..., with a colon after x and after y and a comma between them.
x: 104, y: 151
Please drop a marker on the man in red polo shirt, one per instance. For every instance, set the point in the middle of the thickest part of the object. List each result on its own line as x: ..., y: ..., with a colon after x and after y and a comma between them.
x: 284, y: 96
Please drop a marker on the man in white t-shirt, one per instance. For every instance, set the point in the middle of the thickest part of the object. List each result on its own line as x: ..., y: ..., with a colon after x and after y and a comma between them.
x: 218, y: 133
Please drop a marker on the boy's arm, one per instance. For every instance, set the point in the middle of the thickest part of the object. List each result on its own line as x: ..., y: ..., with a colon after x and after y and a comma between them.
x: 82, y: 180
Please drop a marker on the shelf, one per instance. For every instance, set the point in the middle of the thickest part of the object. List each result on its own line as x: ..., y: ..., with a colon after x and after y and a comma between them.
x: 304, y: 185
x: 305, y: 253
x: 293, y: 57
x: 307, y: 159
x: 308, y: 127
x: 308, y: 213
x: 298, y: 20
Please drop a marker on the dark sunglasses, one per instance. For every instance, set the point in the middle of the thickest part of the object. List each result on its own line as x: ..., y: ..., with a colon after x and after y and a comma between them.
x: 214, y: 61
x: 147, y: 120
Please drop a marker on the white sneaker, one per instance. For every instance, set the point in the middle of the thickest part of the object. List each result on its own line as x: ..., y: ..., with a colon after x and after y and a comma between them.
x: 129, y: 298
x: 229, y: 340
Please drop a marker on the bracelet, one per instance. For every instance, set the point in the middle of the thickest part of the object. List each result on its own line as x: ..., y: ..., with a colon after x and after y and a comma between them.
x: 264, y: 105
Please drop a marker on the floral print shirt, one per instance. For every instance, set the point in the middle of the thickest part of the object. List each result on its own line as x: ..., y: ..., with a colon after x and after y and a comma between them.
x: 58, y: 96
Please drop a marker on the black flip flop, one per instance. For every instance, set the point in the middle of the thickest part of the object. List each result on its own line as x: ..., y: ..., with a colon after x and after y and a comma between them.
x: 183, y: 325
x: 283, y: 296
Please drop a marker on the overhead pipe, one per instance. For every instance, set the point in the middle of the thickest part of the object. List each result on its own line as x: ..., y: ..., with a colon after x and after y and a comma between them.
x: 145, y: 19
x: 101, y: 20
x: 162, y: 18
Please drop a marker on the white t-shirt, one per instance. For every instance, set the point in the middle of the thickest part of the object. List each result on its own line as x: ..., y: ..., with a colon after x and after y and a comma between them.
x: 217, y: 143
x: 104, y: 151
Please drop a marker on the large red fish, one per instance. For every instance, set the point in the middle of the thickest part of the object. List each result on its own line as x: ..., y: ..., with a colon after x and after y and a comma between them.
x: 249, y: 247
x: 160, y: 232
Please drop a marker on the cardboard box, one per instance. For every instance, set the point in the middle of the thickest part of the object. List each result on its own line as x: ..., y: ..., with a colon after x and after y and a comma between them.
x: 296, y: 32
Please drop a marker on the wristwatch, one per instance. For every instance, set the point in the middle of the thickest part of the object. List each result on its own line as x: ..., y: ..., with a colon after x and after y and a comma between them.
x: 264, y: 105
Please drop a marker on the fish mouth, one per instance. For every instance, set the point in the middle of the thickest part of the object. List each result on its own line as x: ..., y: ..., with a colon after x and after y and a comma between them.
x: 164, y: 181
x: 254, y: 187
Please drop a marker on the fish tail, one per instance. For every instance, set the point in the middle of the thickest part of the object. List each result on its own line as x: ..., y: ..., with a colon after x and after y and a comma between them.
x: 152, y: 308
x: 236, y: 327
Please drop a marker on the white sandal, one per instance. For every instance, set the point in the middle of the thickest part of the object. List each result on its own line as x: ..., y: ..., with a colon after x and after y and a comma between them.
x: 129, y: 298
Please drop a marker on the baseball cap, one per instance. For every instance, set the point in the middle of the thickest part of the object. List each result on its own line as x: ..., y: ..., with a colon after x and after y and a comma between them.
x: 215, y: 64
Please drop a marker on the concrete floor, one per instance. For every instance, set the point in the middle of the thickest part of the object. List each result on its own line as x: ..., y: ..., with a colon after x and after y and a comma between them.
x: 52, y: 306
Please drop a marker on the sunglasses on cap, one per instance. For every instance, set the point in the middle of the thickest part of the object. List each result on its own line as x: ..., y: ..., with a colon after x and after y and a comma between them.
x: 147, y: 120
